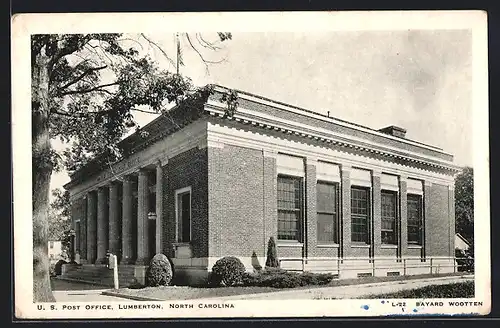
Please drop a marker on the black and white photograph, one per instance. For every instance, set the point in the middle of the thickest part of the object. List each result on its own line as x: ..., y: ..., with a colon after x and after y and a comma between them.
x: 185, y: 165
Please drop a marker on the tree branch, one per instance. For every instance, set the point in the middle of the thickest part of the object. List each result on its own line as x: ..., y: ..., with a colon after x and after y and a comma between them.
x: 205, y: 43
x: 88, y: 71
x: 159, y: 48
x: 71, y: 49
x: 199, y: 54
x: 97, y: 88
x: 144, y: 111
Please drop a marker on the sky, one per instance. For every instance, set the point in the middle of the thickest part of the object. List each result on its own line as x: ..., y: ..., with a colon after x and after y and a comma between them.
x: 420, y: 80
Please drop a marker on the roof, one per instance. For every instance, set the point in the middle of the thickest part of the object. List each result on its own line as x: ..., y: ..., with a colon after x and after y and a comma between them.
x: 463, y: 239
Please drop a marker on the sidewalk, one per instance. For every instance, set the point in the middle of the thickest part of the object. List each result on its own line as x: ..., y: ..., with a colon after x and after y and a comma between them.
x: 346, y: 292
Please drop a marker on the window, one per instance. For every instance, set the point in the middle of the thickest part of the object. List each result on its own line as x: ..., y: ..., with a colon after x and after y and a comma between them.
x: 389, y: 210
x: 51, y: 244
x: 360, y: 213
x: 414, y: 219
x: 183, y: 212
x: 327, y: 212
x: 290, y: 208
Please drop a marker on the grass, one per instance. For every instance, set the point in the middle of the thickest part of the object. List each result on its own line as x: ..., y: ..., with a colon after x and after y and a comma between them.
x: 186, y: 293
x: 181, y: 293
x: 455, y: 290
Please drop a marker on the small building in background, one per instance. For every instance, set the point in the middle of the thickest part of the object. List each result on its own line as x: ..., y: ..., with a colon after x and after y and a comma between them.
x: 55, y: 250
x: 461, y: 243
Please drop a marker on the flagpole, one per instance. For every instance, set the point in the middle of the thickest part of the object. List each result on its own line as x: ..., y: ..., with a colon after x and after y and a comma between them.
x: 178, y: 49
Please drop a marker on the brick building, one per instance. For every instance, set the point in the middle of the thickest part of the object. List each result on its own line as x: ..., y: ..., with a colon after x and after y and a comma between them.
x: 336, y: 196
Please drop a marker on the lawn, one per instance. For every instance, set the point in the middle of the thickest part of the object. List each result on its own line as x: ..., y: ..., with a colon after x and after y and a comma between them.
x: 456, y: 290
x: 186, y: 293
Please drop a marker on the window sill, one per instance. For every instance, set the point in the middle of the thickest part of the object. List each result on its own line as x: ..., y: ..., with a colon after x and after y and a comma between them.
x: 181, y: 244
x: 360, y: 245
x: 414, y: 246
x: 388, y: 246
x: 289, y: 244
x: 328, y: 246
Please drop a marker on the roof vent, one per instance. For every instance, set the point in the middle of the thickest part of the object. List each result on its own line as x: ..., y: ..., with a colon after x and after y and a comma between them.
x: 395, y: 131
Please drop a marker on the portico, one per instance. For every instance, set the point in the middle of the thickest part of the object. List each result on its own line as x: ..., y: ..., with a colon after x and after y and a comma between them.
x: 124, y: 218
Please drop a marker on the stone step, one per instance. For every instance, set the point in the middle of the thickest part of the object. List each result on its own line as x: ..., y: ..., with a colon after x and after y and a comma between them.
x: 99, y: 274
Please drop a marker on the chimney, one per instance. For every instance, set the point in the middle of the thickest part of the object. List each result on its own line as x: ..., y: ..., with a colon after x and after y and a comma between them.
x: 395, y: 131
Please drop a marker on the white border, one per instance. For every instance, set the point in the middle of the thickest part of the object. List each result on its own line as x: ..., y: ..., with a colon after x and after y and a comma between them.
x: 25, y: 24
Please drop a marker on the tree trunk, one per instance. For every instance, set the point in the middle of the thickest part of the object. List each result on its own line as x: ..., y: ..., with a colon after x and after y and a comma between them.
x: 42, y: 171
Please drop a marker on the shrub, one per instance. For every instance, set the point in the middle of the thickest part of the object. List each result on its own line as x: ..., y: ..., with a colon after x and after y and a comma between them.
x: 465, y: 260
x: 227, y: 271
x: 308, y: 278
x: 58, y: 267
x: 272, y: 254
x: 279, y: 278
x: 159, y: 272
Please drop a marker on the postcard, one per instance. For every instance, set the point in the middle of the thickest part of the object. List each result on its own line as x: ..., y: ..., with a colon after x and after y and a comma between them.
x: 245, y: 164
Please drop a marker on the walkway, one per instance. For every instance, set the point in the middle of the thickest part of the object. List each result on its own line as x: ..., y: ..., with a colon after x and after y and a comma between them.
x: 65, y: 291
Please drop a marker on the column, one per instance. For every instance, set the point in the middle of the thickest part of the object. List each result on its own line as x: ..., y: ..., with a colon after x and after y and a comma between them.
x: 403, y: 216
x: 77, y: 237
x: 91, y: 227
x: 142, y: 219
x: 377, y: 214
x: 159, y: 207
x: 346, y: 210
x: 114, y: 219
x: 102, y: 225
x: 127, y: 217
x: 311, y: 216
x: 83, y: 231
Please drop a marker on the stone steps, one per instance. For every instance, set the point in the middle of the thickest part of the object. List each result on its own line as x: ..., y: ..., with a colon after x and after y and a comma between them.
x: 99, y: 275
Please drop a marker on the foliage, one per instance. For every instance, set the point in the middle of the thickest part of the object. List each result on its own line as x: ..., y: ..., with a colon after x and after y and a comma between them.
x: 227, y: 271
x: 85, y: 89
x: 464, y: 203
x: 272, y: 254
x: 278, y: 278
x: 96, y: 84
x: 455, y: 290
x: 465, y: 259
x: 159, y: 272
x: 59, y: 222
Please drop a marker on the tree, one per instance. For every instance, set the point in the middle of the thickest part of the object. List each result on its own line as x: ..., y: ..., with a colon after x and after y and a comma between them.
x: 464, y: 203
x: 272, y: 254
x: 85, y: 89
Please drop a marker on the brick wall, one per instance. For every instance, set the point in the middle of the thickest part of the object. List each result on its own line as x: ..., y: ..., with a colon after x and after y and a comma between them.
x: 183, y: 170
x: 345, y: 212
x: 311, y: 212
x: 377, y: 217
x: 438, y: 223
x: 240, y: 195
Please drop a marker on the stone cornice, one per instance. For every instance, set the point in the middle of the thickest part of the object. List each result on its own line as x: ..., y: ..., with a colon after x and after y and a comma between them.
x: 288, y: 128
x: 308, y: 113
